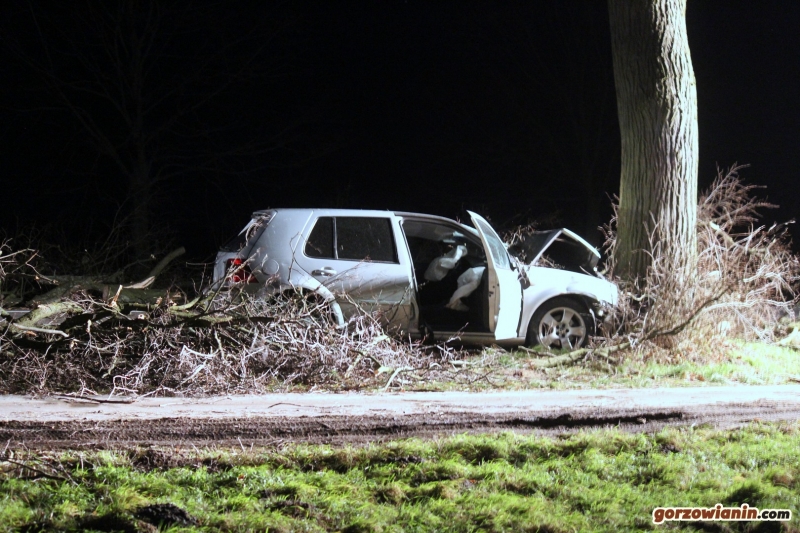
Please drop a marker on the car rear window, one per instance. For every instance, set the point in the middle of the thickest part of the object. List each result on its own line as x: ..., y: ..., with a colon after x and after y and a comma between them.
x: 250, y: 233
x: 320, y: 242
x: 352, y: 239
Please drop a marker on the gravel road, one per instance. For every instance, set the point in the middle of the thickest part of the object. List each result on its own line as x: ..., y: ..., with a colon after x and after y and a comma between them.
x: 60, y: 422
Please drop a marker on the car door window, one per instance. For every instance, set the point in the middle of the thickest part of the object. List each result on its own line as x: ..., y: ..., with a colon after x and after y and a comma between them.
x: 496, y: 247
x: 352, y: 239
x: 365, y: 238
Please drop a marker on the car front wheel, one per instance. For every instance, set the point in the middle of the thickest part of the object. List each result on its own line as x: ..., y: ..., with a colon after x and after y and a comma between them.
x: 560, y: 324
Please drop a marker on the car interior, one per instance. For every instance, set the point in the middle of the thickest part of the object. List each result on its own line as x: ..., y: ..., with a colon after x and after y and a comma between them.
x: 430, y: 241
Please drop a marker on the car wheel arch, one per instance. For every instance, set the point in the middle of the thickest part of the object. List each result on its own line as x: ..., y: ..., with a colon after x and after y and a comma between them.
x: 317, y: 290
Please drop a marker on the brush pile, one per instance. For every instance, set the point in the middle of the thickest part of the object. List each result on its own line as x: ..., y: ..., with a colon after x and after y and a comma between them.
x: 90, y: 342
x: 745, y: 280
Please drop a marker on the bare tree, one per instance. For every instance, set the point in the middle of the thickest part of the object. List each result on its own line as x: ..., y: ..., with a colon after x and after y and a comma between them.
x: 143, y: 83
x: 657, y: 105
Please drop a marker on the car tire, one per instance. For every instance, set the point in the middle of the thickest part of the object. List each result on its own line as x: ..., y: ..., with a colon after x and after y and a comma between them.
x: 560, y: 324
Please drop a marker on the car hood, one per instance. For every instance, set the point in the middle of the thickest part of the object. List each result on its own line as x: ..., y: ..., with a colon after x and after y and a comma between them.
x: 547, y: 282
x: 562, y: 247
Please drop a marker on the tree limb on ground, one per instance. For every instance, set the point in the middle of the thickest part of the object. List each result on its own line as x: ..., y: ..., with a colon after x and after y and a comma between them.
x: 165, y: 261
x: 576, y: 356
x: 66, y: 285
x: 38, y: 330
x: 45, y: 311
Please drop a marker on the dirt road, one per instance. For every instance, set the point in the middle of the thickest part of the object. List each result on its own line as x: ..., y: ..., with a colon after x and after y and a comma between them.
x: 353, y: 417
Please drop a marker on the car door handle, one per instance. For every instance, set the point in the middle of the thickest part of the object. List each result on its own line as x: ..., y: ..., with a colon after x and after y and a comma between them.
x: 324, y: 271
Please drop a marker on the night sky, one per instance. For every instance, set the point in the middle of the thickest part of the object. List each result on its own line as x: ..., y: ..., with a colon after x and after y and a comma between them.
x: 505, y: 108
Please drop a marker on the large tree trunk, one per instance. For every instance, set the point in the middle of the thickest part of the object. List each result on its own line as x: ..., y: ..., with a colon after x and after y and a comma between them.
x: 657, y: 105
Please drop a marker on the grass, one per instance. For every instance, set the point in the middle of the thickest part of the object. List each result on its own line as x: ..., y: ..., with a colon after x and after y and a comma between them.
x: 603, y: 480
x: 726, y: 363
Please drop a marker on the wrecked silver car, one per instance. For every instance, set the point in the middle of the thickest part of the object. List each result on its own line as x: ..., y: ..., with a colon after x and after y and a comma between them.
x: 425, y: 275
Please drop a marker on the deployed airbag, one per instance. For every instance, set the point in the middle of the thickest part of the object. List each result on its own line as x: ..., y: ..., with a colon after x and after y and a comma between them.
x: 467, y: 283
x: 440, y: 266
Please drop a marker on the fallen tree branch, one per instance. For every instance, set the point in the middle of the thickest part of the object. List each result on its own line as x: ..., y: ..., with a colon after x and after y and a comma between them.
x: 66, y: 285
x: 577, y: 355
x: 46, y: 311
x: 40, y: 473
x: 38, y: 330
x: 165, y: 261
x: 141, y: 285
x: 395, y: 374
x: 74, y: 398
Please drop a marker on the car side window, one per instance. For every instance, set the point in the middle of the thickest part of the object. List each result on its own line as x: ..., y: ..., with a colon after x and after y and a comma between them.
x: 360, y: 238
x: 352, y: 238
x: 320, y: 242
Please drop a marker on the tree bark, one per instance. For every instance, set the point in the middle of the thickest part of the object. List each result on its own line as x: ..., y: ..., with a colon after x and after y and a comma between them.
x: 657, y: 106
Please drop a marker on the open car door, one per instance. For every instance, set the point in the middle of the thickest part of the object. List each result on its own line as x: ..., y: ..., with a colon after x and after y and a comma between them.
x: 505, y: 288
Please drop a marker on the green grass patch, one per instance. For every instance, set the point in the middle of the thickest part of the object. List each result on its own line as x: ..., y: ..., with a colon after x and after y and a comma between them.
x: 729, y: 363
x: 603, y: 480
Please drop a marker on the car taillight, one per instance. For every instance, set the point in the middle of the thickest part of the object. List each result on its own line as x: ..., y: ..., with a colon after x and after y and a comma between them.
x: 239, y: 272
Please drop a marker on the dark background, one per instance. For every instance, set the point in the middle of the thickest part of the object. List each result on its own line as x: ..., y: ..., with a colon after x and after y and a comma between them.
x: 505, y: 108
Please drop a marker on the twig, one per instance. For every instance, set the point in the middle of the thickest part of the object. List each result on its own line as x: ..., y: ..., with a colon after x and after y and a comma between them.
x: 38, y: 330
x: 40, y: 472
x: 79, y: 399
x: 680, y: 327
x: 394, y: 375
